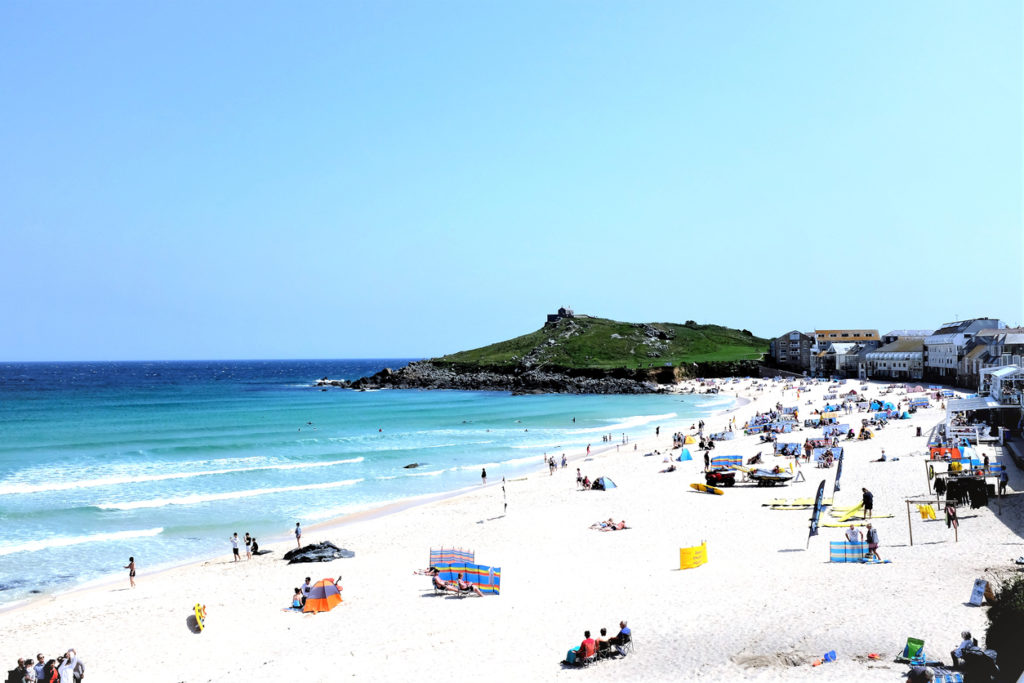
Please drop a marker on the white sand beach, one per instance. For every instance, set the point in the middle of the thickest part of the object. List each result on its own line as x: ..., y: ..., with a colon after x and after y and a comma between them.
x: 762, y: 608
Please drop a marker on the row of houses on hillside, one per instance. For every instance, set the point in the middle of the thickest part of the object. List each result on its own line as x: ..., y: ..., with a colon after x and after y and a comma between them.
x: 956, y: 353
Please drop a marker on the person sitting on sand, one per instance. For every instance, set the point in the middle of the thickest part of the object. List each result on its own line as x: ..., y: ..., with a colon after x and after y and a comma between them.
x: 297, y: 599
x: 586, y: 483
x: 464, y: 586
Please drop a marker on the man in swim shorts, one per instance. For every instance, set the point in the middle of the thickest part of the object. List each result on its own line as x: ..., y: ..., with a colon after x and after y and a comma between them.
x: 234, y: 546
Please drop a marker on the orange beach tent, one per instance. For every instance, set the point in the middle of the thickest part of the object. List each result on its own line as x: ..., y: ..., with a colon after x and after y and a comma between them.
x: 323, y: 597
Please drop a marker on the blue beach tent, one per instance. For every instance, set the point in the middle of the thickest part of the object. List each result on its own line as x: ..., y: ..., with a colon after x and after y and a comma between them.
x: 685, y: 455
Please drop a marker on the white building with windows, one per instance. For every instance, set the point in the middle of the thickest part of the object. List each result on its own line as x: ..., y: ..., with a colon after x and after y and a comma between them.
x: 901, y: 359
x: 946, y: 347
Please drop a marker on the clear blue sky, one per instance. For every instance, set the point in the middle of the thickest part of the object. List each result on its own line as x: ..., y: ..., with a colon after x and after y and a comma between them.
x: 381, y: 179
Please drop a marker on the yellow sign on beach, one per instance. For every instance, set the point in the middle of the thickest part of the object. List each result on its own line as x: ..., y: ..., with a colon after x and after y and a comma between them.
x: 693, y: 557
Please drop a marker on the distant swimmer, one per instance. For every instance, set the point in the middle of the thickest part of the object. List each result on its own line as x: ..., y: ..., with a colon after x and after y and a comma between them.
x: 381, y: 429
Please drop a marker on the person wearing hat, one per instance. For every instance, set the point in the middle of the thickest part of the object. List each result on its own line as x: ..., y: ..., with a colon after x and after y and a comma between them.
x: 965, y: 644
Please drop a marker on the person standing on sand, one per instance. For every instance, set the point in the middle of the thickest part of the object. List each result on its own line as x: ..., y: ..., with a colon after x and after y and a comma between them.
x: 853, y: 535
x: 234, y: 546
x: 868, y: 501
x: 131, y: 570
x: 248, y: 546
x: 579, y: 478
x: 483, y: 476
x: 872, y: 539
x: 298, y: 537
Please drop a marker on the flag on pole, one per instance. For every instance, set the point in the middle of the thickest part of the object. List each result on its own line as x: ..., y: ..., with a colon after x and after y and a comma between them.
x: 816, y: 512
x: 839, y: 473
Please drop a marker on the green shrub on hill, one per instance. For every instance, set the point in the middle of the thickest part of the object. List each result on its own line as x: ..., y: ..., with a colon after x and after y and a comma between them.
x: 585, y: 342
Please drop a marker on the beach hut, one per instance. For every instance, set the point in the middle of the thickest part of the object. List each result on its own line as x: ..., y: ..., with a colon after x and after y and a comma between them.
x: 323, y: 597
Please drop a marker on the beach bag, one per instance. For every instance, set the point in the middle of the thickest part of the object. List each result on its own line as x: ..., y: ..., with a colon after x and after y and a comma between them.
x: 570, y: 656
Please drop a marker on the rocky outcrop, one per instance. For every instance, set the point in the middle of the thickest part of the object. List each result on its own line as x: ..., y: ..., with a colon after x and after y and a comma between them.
x: 517, y: 379
x: 526, y: 378
x: 317, y: 552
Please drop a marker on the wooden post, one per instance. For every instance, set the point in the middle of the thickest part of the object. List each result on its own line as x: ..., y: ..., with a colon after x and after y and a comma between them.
x: 927, y: 478
x: 910, y: 526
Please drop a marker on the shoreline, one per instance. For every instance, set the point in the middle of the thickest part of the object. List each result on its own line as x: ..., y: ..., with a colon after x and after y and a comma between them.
x: 762, y: 571
x: 395, y: 507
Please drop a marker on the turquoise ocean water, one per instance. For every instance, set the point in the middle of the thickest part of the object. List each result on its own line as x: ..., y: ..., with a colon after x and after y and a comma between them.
x: 164, y: 460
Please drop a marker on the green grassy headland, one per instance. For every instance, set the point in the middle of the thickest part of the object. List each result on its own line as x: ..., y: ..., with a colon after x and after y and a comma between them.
x: 586, y: 342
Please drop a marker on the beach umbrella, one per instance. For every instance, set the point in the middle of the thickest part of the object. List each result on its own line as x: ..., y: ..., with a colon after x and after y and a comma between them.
x: 323, y: 597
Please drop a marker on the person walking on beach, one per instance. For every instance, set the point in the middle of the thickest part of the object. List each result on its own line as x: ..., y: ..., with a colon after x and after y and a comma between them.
x: 872, y: 539
x: 1004, y: 479
x: 234, y: 546
x: 868, y: 501
x: 298, y: 537
x: 579, y: 478
x: 483, y: 476
x: 131, y: 570
x: 565, y: 463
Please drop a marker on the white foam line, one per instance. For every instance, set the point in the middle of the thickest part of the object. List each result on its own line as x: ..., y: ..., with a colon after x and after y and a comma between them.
x: 230, y: 495
x: 623, y: 424
x: 64, y: 541
x: 8, y: 489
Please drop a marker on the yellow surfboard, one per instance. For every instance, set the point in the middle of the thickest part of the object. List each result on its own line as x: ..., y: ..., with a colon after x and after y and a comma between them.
x: 704, y: 488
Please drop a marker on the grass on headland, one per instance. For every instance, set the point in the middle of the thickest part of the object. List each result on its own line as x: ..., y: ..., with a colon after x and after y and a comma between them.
x: 585, y: 342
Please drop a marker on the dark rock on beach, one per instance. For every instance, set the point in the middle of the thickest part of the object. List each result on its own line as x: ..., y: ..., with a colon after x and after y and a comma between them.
x: 317, y: 552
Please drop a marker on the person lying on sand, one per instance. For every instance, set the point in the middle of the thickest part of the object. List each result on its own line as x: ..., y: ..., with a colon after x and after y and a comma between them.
x: 429, y: 571
x: 670, y: 468
x: 601, y: 525
x: 615, y: 527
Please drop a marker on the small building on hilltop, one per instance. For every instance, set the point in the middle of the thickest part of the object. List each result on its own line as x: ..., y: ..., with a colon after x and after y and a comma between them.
x: 562, y: 313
